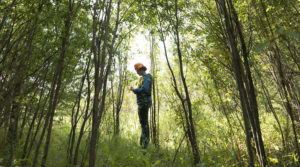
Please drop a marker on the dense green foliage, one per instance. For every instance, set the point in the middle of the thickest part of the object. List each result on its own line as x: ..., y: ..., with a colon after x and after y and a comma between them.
x: 65, y: 78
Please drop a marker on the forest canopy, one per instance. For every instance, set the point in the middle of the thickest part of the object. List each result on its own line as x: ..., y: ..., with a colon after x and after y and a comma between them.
x: 225, y: 82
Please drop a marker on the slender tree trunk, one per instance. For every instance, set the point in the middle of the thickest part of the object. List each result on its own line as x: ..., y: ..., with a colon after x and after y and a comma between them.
x: 13, y: 128
x: 101, y: 73
x: 58, y: 74
x: 153, y: 114
x: 36, y: 153
x: 244, y: 83
x: 120, y: 94
x: 185, y: 100
x: 283, y: 84
x: 251, y: 91
x: 224, y: 107
x: 75, y: 121
x: 34, y: 119
x: 192, y: 135
x: 113, y: 103
x: 267, y: 95
x: 86, y: 115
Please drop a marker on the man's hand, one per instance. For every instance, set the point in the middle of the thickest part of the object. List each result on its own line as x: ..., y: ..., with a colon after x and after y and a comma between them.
x: 131, y: 88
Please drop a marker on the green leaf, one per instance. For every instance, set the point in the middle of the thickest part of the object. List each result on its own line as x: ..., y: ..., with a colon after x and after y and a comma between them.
x: 273, y: 160
x: 156, y: 163
x: 260, y: 46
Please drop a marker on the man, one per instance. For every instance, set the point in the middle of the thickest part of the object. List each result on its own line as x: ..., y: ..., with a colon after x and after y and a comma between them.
x: 143, y: 96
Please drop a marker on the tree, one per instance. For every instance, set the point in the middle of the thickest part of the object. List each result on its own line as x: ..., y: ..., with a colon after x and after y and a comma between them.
x: 244, y: 81
x: 154, y: 111
x: 184, y: 97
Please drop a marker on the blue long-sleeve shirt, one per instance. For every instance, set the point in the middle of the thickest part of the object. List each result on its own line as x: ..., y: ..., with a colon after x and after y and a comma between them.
x: 143, y: 92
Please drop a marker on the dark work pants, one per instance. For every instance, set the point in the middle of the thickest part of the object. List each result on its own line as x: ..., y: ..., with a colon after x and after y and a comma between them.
x: 143, y: 116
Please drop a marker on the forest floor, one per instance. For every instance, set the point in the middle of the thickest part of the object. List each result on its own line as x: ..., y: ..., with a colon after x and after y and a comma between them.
x: 119, y: 151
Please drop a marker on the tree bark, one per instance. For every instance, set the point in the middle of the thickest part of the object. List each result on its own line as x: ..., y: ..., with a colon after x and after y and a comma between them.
x: 58, y: 75
x: 153, y: 113
x: 86, y: 116
x: 75, y: 120
x: 244, y: 83
x: 185, y: 99
x: 190, y: 123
